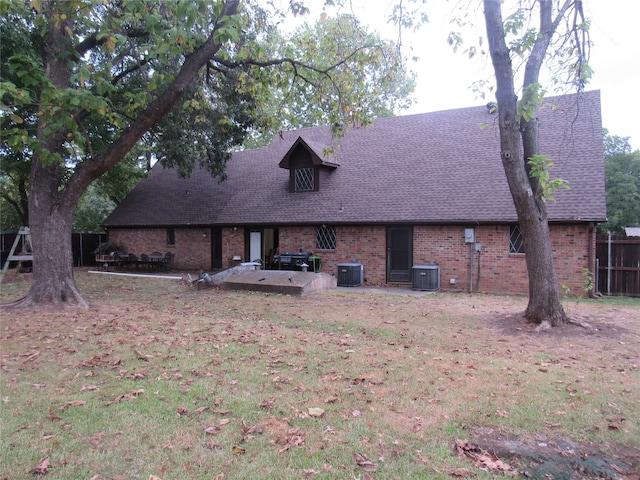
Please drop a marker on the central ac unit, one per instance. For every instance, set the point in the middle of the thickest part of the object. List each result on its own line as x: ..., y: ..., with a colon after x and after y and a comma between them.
x: 426, y: 277
x: 350, y: 274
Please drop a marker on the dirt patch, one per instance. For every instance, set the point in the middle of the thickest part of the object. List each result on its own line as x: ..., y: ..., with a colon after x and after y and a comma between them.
x: 586, y: 325
x: 544, y: 457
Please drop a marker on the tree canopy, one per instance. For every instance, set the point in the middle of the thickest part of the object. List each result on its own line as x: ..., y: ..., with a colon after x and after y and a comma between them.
x: 85, y: 80
x: 232, y: 99
x: 622, y: 177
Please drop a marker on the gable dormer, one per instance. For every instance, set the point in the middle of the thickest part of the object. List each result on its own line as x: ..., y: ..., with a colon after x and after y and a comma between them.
x: 305, y: 162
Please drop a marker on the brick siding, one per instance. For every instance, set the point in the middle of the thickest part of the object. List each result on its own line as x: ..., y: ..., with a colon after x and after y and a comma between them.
x: 495, y: 269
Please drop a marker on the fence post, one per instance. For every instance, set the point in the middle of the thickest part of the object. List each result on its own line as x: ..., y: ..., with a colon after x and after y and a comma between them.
x: 609, y: 263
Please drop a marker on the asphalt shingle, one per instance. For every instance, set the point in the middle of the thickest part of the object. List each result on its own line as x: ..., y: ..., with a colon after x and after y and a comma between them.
x: 440, y: 167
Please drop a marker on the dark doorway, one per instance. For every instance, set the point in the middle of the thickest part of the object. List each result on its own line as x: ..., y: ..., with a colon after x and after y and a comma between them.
x: 399, y: 254
x: 216, y: 248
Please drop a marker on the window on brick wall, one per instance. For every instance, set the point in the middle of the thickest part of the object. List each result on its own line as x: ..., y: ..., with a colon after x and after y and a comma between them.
x: 516, y: 243
x: 171, y: 236
x: 326, y: 237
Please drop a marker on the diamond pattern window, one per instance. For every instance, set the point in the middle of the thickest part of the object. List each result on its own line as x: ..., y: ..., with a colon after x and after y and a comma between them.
x: 516, y: 243
x: 326, y: 237
x: 304, y: 180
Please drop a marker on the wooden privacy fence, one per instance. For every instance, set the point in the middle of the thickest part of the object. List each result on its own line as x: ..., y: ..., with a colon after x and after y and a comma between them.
x: 618, y: 265
x: 83, y: 246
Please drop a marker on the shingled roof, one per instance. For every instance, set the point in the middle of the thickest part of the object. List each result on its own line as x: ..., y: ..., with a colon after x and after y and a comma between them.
x: 441, y: 167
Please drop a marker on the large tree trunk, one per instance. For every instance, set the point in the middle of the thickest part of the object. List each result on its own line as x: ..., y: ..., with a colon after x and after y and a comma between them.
x: 51, y: 225
x: 50, y: 209
x: 518, y: 142
x: 52, y: 202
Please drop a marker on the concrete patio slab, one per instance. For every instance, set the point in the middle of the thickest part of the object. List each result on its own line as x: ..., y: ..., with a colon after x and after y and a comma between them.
x: 281, y: 281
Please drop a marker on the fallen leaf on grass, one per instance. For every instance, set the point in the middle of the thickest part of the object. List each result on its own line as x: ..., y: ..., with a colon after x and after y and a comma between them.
x: 95, y: 440
x: 249, y: 431
x: 211, y: 430
x: 482, y: 458
x: 462, y: 472
x: 127, y: 396
x: 211, y: 445
x: 74, y: 403
x: 295, y: 439
x: 41, y: 469
x: 365, y: 463
x: 142, y: 356
x: 615, y: 423
x: 238, y: 450
x: 315, y: 412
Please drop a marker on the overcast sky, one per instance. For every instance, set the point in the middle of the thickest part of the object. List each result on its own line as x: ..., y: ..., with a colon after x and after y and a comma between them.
x: 444, y: 77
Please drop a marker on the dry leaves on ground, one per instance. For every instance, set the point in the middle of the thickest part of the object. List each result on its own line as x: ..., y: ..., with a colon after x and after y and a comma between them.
x: 482, y: 459
x: 42, y: 468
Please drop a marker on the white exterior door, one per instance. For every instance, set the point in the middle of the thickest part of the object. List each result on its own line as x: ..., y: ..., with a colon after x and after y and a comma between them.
x: 255, y: 246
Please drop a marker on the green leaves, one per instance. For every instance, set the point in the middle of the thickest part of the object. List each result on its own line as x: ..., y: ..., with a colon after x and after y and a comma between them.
x: 343, y: 76
x: 622, y: 184
x: 539, y: 166
x: 528, y: 106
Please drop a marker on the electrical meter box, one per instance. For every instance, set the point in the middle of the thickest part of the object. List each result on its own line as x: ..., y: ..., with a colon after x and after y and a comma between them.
x: 469, y: 235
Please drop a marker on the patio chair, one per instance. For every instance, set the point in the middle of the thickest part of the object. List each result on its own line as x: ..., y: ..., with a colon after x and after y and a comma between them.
x: 167, y: 265
x: 144, y: 261
x: 133, y: 261
x: 119, y: 259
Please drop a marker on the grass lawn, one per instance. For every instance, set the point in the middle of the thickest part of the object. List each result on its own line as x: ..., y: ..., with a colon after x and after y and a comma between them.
x: 160, y: 380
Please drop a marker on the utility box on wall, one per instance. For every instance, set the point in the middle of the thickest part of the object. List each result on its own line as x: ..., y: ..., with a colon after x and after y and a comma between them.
x: 469, y: 235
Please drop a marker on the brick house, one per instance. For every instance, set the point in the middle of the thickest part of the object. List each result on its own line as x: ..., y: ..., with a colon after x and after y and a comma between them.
x: 412, y: 190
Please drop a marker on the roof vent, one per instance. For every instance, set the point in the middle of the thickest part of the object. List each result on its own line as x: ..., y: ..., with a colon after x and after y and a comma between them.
x: 492, y: 107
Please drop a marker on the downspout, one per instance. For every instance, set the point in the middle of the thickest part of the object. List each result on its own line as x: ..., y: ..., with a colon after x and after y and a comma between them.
x: 478, y: 282
x: 471, y: 268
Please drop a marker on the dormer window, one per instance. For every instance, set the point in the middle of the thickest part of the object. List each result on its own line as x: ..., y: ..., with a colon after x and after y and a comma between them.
x: 304, y: 160
x: 304, y: 179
